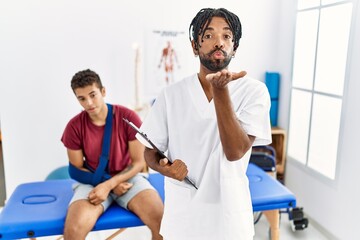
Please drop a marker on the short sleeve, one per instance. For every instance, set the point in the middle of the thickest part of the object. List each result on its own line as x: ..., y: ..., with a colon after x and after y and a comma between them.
x: 254, y: 116
x: 155, y: 124
x: 135, y: 119
x: 71, y: 137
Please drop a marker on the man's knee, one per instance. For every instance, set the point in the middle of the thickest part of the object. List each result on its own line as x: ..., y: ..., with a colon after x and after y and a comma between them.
x: 81, y: 217
x: 147, y: 204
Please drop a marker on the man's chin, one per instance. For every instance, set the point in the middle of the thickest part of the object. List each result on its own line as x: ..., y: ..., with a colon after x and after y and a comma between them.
x: 216, y: 65
x: 216, y: 68
x: 91, y: 111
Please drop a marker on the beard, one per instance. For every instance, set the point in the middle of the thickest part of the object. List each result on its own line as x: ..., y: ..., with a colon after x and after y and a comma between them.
x: 217, y: 64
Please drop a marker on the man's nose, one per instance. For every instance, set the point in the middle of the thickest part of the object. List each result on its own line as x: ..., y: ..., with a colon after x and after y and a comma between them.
x: 89, y: 102
x: 219, y: 43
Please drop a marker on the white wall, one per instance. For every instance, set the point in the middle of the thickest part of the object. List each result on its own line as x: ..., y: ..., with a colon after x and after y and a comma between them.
x: 332, y: 204
x: 44, y: 43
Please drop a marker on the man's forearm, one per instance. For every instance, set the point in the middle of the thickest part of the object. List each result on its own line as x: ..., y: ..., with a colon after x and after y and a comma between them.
x: 234, y: 139
x: 129, y: 172
x: 152, y: 159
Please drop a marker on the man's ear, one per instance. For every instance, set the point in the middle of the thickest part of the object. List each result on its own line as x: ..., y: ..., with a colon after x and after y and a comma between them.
x: 195, y: 48
x: 233, y: 54
x: 103, y: 92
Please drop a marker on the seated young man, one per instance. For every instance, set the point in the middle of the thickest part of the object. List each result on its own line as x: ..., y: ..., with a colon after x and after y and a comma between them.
x: 83, y: 138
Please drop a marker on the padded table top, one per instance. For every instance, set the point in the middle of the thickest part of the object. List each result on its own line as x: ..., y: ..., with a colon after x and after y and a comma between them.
x: 267, y: 193
x: 39, y: 208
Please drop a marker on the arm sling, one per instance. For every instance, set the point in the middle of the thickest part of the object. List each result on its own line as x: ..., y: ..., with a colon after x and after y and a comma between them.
x: 100, y: 174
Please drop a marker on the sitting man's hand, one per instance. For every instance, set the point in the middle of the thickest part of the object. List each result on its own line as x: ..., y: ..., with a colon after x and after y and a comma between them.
x: 99, y: 194
x: 122, y: 188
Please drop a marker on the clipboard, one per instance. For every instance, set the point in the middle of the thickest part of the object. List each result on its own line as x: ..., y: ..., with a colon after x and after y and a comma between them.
x: 161, y: 153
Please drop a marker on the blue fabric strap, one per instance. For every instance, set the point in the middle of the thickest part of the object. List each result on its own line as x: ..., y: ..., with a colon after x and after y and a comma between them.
x: 84, y: 176
x: 100, y: 173
x: 103, y: 161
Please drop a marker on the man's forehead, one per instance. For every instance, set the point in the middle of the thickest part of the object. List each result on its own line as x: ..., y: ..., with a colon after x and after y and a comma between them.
x: 217, y: 21
x: 87, y: 90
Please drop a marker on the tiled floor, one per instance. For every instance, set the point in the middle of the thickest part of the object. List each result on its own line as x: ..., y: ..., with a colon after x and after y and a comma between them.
x: 261, y: 228
x: 286, y: 232
x: 261, y: 232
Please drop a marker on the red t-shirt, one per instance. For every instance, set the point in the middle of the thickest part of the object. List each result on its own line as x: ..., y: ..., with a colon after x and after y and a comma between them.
x: 81, y: 133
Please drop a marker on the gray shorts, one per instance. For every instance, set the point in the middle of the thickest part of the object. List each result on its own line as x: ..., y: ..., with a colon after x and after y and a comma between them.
x: 139, y: 181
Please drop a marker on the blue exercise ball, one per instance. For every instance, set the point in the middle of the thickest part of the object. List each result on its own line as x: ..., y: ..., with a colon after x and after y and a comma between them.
x: 59, y: 173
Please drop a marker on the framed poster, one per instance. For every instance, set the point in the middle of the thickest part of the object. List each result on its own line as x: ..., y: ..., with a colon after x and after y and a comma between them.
x: 164, y: 60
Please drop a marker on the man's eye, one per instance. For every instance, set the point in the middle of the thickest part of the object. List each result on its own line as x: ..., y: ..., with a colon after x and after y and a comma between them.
x: 207, y: 36
x: 92, y: 95
x: 228, y: 37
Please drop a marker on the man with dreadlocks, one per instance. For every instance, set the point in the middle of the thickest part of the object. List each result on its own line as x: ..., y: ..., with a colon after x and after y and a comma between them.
x: 208, y: 123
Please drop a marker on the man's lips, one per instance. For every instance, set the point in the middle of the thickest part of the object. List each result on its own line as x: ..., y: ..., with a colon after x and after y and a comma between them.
x: 218, y: 54
x: 91, y: 109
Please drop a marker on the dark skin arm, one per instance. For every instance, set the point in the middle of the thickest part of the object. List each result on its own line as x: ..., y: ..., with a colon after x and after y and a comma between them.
x: 176, y: 170
x: 234, y: 139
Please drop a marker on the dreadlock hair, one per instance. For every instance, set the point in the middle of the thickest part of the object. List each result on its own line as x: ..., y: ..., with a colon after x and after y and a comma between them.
x: 85, y: 78
x: 203, y: 18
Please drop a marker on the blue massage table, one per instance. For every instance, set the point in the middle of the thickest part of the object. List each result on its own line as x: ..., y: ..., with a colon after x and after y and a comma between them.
x: 38, y: 209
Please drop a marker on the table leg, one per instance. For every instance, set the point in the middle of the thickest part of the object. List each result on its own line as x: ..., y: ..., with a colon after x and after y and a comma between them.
x: 272, y: 217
